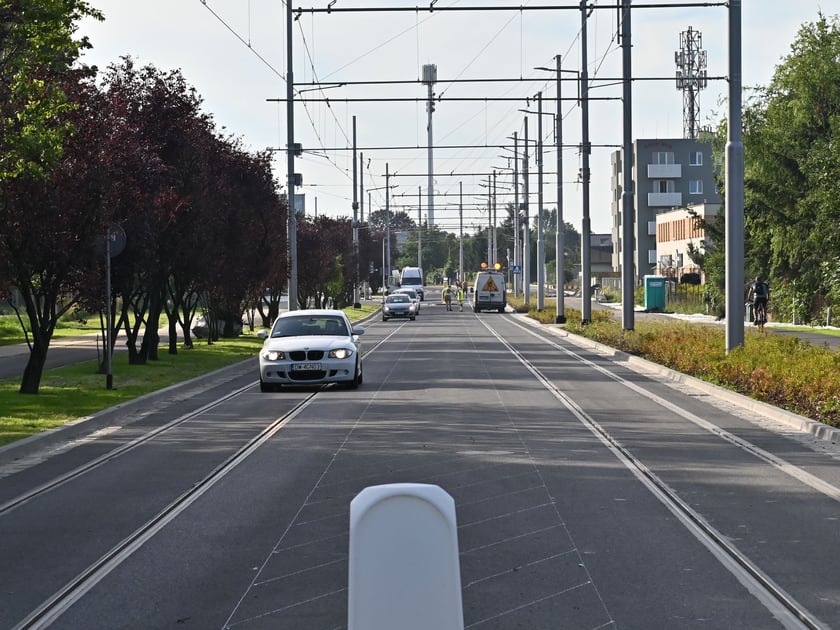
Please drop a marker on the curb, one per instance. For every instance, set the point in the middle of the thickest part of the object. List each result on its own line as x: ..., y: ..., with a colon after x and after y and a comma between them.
x: 795, y: 421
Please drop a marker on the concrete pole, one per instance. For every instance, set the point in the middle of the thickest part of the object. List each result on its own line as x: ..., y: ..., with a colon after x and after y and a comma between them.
x: 585, y: 237
x: 734, y: 201
x: 526, y: 241
x: 356, y: 300
x: 560, y: 236
x: 540, y: 238
x: 628, y: 212
x: 291, y: 228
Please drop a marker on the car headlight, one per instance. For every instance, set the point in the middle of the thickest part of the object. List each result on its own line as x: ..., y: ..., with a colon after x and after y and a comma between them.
x: 272, y: 355
x: 340, y: 353
x: 386, y: 309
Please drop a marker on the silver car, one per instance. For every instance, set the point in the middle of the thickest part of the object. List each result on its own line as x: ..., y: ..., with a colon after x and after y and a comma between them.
x: 311, y: 347
x: 398, y: 305
x: 413, y: 295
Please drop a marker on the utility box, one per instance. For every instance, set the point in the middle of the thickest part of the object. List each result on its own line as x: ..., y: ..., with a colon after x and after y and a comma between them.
x: 654, y: 293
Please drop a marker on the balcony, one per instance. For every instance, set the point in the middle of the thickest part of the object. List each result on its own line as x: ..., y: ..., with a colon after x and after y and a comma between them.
x: 664, y: 171
x: 665, y: 200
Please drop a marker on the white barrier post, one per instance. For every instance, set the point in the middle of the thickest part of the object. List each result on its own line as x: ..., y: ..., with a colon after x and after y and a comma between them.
x: 404, y: 568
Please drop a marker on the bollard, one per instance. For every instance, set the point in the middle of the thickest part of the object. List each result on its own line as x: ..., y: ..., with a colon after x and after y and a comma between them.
x: 404, y: 567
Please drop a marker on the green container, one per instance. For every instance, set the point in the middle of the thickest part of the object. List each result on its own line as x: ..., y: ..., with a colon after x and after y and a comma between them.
x: 654, y: 293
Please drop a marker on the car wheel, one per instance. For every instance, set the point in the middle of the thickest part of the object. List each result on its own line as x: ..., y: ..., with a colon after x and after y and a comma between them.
x: 268, y: 387
x: 412, y: 318
x: 384, y: 319
x: 356, y: 380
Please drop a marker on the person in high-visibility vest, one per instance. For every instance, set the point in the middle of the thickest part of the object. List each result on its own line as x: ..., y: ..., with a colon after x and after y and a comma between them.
x: 461, y: 298
x: 447, y: 297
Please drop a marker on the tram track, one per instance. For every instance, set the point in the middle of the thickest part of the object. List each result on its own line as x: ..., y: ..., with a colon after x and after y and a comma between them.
x: 777, y: 600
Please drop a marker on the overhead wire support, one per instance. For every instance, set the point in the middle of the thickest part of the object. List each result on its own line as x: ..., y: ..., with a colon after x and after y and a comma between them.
x: 518, y: 7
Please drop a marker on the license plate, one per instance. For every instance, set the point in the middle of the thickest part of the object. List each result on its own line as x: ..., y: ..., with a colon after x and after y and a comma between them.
x: 297, y: 367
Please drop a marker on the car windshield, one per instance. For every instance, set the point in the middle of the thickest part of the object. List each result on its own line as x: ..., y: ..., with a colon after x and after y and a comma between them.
x: 398, y: 299
x: 309, y: 325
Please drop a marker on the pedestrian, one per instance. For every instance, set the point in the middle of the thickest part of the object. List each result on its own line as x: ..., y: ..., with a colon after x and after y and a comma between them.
x: 461, y: 298
x: 447, y: 297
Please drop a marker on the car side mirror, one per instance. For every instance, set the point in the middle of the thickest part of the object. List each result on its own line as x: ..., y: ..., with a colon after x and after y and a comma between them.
x: 358, y: 330
x: 262, y: 334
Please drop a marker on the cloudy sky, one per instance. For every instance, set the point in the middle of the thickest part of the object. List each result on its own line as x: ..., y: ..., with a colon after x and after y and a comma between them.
x: 234, y: 53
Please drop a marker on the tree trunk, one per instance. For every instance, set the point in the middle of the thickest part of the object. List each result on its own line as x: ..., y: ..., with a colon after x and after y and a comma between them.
x: 34, y: 370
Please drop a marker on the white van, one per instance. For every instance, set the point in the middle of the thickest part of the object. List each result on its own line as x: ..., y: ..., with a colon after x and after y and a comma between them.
x: 489, y: 291
x: 412, y: 278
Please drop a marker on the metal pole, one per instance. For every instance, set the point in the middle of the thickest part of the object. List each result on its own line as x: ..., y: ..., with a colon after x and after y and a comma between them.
x: 495, y: 243
x: 628, y: 219
x: 517, y: 252
x: 291, y: 229
x: 585, y: 238
x: 734, y: 201
x: 526, y: 240
x: 388, y: 224
x: 109, y: 377
x: 420, y: 228
x: 362, y: 188
x: 461, y: 231
x: 356, y: 300
x: 489, y: 223
x: 430, y: 77
x: 540, y: 243
x: 560, y: 235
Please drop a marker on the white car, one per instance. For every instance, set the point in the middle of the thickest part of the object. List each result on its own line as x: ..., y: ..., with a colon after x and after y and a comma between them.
x: 415, y: 297
x: 311, y: 347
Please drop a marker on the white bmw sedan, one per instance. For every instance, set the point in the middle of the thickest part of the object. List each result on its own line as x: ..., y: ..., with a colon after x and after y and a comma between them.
x: 311, y: 347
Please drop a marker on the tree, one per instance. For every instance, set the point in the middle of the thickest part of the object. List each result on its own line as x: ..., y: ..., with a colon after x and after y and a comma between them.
x: 37, y: 50
x: 50, y: 225
x: 400, y: 221
x: 792, y: 165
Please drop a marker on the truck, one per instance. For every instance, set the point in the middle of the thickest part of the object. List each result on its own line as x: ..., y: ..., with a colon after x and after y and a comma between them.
x: 412, y: 277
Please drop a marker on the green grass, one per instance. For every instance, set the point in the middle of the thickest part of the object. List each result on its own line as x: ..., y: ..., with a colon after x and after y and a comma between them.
x: 73, y: 392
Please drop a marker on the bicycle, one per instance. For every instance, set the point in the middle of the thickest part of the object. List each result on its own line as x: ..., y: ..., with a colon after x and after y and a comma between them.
x: 760, y: 315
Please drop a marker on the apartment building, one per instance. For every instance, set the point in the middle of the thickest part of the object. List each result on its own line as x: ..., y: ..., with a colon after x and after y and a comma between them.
x: 668, y: 174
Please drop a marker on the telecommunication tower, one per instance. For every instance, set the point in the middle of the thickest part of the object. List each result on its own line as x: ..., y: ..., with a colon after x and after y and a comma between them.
x: 691, y: 77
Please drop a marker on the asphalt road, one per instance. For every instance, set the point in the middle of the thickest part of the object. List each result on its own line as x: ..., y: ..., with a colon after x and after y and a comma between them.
x: 588, y: 494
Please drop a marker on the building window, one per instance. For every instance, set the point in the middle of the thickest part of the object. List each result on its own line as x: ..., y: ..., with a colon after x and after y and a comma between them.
x: 695, y: 187
x: 695, y: 158
x: 662, y: 185
x: 652, y: 256
x: 651, y: 228
x: 662, y: 157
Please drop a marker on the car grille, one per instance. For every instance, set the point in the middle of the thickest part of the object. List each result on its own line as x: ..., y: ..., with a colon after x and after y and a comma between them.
x: 303, y: 355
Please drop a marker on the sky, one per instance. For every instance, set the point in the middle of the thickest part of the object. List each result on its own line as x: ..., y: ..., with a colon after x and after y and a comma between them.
x: 233, y: 52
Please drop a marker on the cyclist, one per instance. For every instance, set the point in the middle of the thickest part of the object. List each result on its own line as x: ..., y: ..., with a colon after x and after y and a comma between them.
x: 759, y: 294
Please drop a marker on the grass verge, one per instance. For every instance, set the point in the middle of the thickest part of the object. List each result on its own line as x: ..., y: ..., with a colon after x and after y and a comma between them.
x: 76, y: 391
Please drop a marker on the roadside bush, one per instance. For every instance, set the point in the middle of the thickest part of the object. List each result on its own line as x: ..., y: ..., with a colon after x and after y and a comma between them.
x: 782, y: 371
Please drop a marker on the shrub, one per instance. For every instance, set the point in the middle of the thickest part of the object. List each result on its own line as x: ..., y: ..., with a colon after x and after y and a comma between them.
x: 783, y: 371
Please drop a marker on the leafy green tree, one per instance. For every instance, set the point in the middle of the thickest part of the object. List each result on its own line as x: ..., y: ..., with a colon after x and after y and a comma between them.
x: 792, y: 165
x: 37, y: 49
